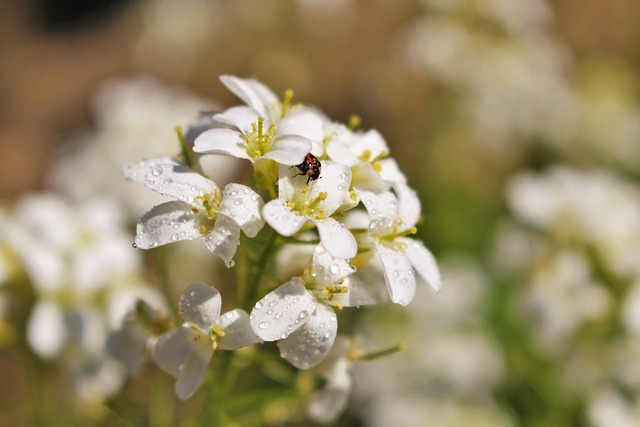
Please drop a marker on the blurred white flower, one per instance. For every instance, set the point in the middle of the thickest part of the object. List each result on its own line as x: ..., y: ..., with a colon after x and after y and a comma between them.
x: 185, y: 352
x: 201, y: 210
x: 134, y: 119
x: 609, y: 407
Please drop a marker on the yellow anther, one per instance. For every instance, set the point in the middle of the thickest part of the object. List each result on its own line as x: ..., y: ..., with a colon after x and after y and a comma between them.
x: 322, y: 195
x: 353, y: 196
x: 377, y: 167
x: 211, y: 213
x: 286, y: 102
x: 207, y: 197
x: 337, y: 305
x: 341, y: 281
x: 194, y: 210
x: 203, y: 229
x: 365, y: 156
x: 400, y: 246
x: 413, y: 230
x: 305, y: 189
x: 291, y: 205
x: 354, y: 121
x: 217, y: 330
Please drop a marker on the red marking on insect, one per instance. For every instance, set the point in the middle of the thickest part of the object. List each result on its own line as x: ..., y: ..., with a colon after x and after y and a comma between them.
x: 310, y: 167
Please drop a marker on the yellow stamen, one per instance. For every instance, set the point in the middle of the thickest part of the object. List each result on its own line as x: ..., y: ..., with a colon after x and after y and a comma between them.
x: 354, y: 121
x: 286, y: 101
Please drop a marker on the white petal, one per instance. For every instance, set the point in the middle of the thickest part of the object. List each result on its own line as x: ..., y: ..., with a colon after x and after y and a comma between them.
x: 221, y: 141
x: 339, y: 152
x: 328, y: 269
x: 239, y: 117
x: 361, y: 292
x: 255, y: 94
x: 46, y: 330
x: 398, y: 274
x: 326, y: 404
x: 281, y: 218
x: 371, y: 141
x: 175, y: 347
x: 335, y: 180
x: 382, y: 209
x: 237, y: 329
x: 128, y: 344
x: 193, y: 371
x: 288, y: 149
x: 307, y: 346
x: 174, y: 180
x: 243, y: 205
x: 305, y: 123
x: 138, y: 171
x: 336, y: 238
x: 423, y: 262
x: 200, y: 305
x: 408, y: 205
x: 166, y: 223
x: 390, y: 171
x: 282, y: 311
x: 223, y: 239
x: 366, y: 178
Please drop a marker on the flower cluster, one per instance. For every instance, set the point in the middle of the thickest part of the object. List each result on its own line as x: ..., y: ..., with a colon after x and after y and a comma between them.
x: 316, y: 184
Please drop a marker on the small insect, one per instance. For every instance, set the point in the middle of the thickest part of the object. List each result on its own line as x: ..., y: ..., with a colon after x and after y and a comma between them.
x: 310, y: 167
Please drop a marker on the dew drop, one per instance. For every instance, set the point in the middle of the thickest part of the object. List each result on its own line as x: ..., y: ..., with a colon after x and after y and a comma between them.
x: 284, y: 335
x: 232, y: 264
x: 156, y: 171
x: 303, y: 314
x: 396, y: 273
x: 237, y: 202
x: 334, y: 269
x: 278, y: 315
x: 258, y: 305
x: 175, y: 237
x: 263, y: 325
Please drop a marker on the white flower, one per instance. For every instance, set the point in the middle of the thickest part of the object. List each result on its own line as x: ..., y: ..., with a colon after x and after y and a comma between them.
x: 299, y: 314
x: 298, y: 203
x: 185, y: 352
x: 201, y: 209
x: 366, y: 153
x: 391, y: 219
x: 264, y: 129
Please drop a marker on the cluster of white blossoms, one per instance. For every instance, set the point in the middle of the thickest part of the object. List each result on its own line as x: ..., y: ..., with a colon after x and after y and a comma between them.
x: 317, y: 184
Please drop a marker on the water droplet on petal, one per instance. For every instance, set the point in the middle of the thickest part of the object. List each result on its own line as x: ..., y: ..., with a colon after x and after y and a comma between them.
x: 156, y: 171
x: 303, y: 314
x: 258, y: 305
x: 263, y: 325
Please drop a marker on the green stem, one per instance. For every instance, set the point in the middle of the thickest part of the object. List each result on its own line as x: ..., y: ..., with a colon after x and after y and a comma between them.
x: 183, y: 147
x: 267, y: 252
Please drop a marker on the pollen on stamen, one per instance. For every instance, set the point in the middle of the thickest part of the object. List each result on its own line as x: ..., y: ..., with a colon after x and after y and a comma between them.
x: 203, y: 229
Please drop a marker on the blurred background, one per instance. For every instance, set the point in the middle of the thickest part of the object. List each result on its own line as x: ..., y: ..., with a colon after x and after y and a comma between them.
x: 518, y: 123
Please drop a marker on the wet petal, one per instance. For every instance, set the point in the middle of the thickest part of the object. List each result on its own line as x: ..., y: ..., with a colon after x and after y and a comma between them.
x: 137, y: 171
x: 339, y: 152
x: 335, y: 180
x: 200, y: 305
x: 193, y: 371
x: 328, y: 269
x: 371, y: 142
x: 336, y: 238
x: 307, y: 346
x: 361, y: 292
x: 288, y: 149
x: 128, y: 344
x: 223, y: 239
x: 237, y: 329
x: 408, y: 205
x: 282, y: 311
x: 221, y: 141
x: 243, y: 206
x: 382, y: 209
x: 166, y: 223
x: 171, y: 180
x: 281, y: 218
x: 423, y: 262
x: 398, y: 274
x: 254, y: 93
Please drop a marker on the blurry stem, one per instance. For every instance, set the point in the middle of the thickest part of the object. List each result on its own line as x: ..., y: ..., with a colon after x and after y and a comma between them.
x: 183, y: 147
x: 165, y: 285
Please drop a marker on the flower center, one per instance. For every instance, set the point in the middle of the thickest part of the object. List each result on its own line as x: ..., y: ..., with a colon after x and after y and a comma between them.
x: 259, y: 140
x: 311, y: 207
x: 210, y: 204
